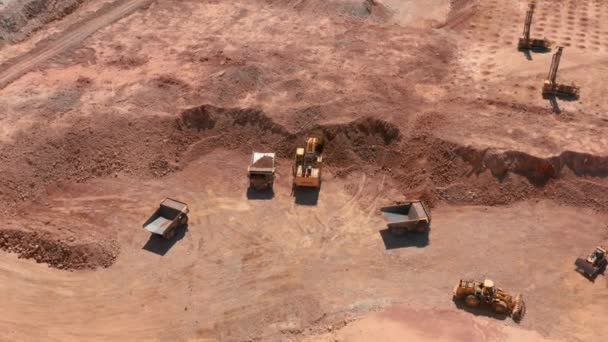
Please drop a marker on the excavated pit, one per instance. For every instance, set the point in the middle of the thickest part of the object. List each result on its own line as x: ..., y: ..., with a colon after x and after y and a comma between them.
x: 421, y: 164
x: 418, y: 165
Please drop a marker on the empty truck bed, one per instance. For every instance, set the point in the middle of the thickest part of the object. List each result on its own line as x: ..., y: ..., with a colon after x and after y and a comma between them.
x: 159, y: 225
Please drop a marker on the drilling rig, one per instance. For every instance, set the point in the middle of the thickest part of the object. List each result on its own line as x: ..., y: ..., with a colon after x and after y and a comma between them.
x: 552, y: 88
x: 527, y: 43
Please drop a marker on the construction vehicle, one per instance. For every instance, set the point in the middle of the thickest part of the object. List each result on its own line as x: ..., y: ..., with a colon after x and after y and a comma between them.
x: 594, y: 263
x: 261, y: 171
x: 527, y: 43
x: 307, y: 164
x: 169, y: 216
x: 475, y: 294
x: 407, y: 217
x: 551, y: 87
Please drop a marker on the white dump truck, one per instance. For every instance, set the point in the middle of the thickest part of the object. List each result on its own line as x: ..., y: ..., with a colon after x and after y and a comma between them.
x: 261, y: 171
x: 169, y: 216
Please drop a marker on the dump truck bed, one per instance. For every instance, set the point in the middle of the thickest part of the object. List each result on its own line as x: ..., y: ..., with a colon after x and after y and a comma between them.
x: 262, y: 163
x: 405, y: 214
x: 159, y: 225
x: 164, y: 218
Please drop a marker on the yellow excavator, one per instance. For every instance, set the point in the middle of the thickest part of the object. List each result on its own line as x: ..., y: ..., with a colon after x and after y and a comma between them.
x: 307, y: 164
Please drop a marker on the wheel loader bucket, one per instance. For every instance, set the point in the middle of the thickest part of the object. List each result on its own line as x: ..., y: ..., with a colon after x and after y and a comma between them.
x: 584, y: 267
x: 519, y: 308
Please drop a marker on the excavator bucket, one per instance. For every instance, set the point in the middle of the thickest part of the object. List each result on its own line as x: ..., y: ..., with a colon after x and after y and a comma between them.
x: 519, y: 308
x: 586, y: 268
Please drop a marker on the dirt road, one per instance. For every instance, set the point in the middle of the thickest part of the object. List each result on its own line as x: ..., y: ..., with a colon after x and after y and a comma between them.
x: 15, y: 68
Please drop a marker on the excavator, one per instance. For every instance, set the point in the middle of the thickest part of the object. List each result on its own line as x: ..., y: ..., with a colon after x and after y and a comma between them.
x: 551, y: 88
x: 527, y: 43
x: 307, y: 164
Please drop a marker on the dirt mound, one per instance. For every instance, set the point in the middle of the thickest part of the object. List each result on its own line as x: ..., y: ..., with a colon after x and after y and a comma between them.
x: 264, y: 162
x: 421, y: 165
x: 349, y: 8
x: 20, y: 18
x: 55, y: 253
x: 102, y: 147
x: 249, y: 129
x: 461, y: 11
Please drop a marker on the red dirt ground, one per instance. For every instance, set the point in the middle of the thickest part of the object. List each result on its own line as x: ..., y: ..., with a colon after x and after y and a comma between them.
x: 122, y: 103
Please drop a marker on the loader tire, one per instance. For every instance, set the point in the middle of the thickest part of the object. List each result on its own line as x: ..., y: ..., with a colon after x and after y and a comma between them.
x: 499, y: 307
x: 472, y: 301
x: 519, y: 309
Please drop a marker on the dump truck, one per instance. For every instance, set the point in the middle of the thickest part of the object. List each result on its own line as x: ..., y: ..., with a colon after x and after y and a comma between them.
x: 475, y: 294
x: 594, y: 263
x: 405, y: 217
x: 169, y: 216
x: 261, y: 171
x: 307, y: 164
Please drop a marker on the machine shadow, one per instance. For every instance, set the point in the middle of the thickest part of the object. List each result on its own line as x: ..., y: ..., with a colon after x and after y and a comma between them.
x: 306, y: 196
x: 554, y: 104
x: 480, y: 311
x: 158, y: 245
x: 253, y: 194
x: 593, y: 278
x: 409, y: 239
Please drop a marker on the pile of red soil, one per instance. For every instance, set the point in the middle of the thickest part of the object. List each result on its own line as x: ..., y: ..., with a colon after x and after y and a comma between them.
x: 56, y: 253
x: 20, y: 18
x: 264, y: 162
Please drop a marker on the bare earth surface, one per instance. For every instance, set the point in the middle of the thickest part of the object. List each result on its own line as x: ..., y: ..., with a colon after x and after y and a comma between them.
x: 118, y: 104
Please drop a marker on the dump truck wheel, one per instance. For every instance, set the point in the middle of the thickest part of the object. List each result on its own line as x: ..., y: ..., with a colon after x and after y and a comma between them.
x: 499, y: 307
x: 472, y: 301
x: 184, y: 220
x: 170, y: 235
x: 422, y: 227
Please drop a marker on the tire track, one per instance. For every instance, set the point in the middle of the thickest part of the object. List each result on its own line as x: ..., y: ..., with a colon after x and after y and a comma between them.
x: 74, y: 35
